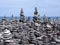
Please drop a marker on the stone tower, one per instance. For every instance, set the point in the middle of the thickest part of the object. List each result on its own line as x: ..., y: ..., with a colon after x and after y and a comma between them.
x: 7, y: 37
x: 45, y: 19
x: 49, y: 20
x: 12, y: 17
x: 4, y: 18
x: 28, y: 18
x: 36, y: 16
x: 21, y: 15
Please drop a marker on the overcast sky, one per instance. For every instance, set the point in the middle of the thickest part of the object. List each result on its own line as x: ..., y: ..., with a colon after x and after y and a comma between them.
x: 48, y: 7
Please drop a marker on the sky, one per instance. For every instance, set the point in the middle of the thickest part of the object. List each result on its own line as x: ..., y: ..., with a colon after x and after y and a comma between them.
x: 47, y: 7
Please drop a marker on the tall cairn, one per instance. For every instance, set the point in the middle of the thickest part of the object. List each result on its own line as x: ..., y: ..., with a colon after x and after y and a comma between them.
x: 35, y: 17
x: 12, y: 18
x: 28, y: 19
x: 4, y: 19
x: 44, y: 19
x: 49, y: 20
x: 22, y: 15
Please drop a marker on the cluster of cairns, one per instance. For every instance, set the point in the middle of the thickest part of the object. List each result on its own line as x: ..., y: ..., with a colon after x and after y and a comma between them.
x: 30, y: 32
